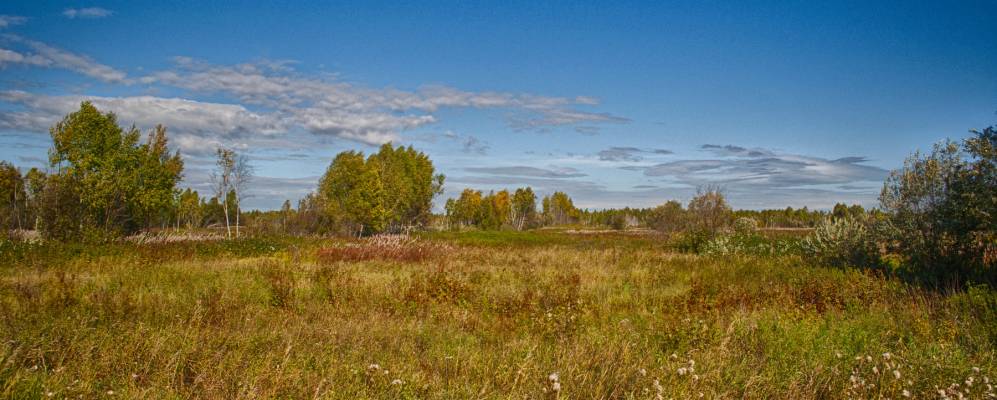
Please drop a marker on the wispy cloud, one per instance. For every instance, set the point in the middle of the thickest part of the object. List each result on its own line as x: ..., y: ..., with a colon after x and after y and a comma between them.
x: 197, y: 126
x: 731, y: 150
x: 628, y: 153
x: 368, y: 115
x: 528, y: 171
x: 472, y: 144
x: 764, y: 169
x: 7, y: 21
x: 48, y: 56
x: 13, y: 57
x: 87, y: 12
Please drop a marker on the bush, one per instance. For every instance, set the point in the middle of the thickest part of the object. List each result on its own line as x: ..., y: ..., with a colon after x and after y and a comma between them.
x: 941, y: 211
x: 841, y: 242
x: 745, y: 226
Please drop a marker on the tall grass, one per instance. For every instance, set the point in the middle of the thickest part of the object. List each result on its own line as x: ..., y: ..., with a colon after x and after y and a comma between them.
x: 613, y: 317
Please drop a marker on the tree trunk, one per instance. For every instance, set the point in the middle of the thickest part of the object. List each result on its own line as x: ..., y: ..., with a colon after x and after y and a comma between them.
x: 237, y: 212
x: 228, y: 228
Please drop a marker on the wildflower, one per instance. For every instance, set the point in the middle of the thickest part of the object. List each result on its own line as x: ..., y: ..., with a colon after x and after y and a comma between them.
x: 695, y: 377
x: 50, y: 394
x: 976, y: 370
x: 396, y: 382
x: 673, y: 356
x: 373, y: 368
x: 868, y: 358
x: 110, y: 393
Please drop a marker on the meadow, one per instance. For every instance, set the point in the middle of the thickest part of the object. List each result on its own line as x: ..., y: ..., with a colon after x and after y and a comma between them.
x: 540, y: 314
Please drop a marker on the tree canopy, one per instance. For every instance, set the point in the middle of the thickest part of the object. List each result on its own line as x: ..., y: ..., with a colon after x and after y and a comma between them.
x: 104, y: 176
x: 389, y: 190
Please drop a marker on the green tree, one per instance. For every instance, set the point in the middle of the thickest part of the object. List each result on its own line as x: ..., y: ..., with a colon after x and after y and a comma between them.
x: 668, y: 217
x: 127, y: 183
x: 559, y: 209
x: 942, y: 210
x: 13, y: 198
x: 353, y: 193
x: 34, y: 186
x: 467, y: 210
x: 410, y: 177
x: 709, y: 210
x: 524, y: 208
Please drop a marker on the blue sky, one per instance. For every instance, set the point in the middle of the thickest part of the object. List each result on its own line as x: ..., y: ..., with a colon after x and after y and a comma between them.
x: 616, y: 103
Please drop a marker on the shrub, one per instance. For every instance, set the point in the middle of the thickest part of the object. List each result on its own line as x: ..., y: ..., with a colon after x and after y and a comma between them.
x: 382, y: 247
x: 745, y: 226
x: 941, y: 208
x: 280, y: 283
x: 841, y: 242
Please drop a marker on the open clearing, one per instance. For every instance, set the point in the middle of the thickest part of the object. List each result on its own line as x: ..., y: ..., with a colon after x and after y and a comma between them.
x: 474, y: 315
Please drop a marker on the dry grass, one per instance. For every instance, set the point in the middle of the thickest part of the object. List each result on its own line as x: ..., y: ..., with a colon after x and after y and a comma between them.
x: 401, y: 248
x: 617, y: 320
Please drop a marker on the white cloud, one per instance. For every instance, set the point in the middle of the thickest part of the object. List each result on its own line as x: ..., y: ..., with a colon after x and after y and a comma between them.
x: 200, y: 123
x: 764, y: 169
x: 88, y: 12
x: 364, y: 114
x: 79, y: 63
x: 13, y: 57
x: 49, y: 56
x: 7, y: 21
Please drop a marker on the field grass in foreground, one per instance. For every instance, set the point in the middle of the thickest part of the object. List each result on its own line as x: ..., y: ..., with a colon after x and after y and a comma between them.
x: 513, y: 315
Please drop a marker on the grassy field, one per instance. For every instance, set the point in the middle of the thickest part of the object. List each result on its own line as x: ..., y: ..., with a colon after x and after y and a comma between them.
x: 475, y: 315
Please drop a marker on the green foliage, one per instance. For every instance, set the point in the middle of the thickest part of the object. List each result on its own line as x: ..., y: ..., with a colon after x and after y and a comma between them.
x: 745, y: 226
x: 14, y: 213
x: 389, y: 190
x: 842, y: 242
x: 709, y: 210
x: 745, y: 240
x: 524, y: 208
x: 195, y: 320
x: 495, y: 211
x: 668, y: 217
x: 941, y: 210
x: 788, y: 217
x: 127, y: 184
x: 559, y: 209
x: 408, y: 175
